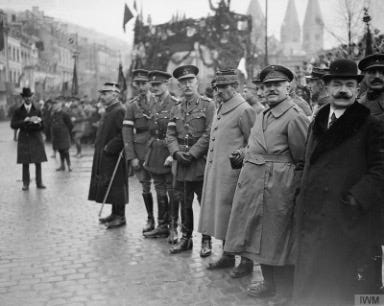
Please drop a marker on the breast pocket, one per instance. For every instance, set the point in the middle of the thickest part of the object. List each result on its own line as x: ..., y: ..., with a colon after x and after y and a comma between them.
x: 197, y: 123
x: 141, y: 121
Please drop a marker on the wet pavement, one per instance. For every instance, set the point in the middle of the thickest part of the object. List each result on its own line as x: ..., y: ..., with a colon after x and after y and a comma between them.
x: 53, y: 251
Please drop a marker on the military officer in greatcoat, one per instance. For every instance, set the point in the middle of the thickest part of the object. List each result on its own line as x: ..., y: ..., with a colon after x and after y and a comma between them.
x: 106, y: 158
x: 136, y: 136
x: 188, y: 139
x: 158, y: 160
x: 319, y: 95
x: 373, y: 68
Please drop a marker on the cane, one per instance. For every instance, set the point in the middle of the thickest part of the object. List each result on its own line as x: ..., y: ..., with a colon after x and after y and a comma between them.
x: 172, y: 204
x: 111, y: 181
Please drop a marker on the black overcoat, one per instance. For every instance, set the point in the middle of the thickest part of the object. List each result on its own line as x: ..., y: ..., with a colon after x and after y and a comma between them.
x: 61, y: 127
x: 334, y: 240
x: 30, y: 144
x: 108, y: 145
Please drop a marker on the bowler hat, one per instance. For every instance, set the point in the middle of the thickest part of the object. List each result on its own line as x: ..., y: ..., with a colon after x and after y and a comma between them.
x: 185, y: 72
x: 226, y: 77
x: 372, y: 61
x: 344, y: 69
x: 26, y: 92
x: 276, y: 73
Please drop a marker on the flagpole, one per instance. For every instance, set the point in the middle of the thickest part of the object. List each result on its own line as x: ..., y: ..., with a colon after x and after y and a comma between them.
x: 266, y: 33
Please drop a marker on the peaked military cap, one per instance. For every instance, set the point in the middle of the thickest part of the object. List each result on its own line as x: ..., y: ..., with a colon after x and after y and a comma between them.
x: 276, y: 73
x: 226, y: 77
x: 372, y: 61
x: 110, y: 86
x: 140, y: 75
x: 157, y: 76
x: 343, y: 68
x: 256, y: 80
x: 185, y: 72
x: 317, y: 73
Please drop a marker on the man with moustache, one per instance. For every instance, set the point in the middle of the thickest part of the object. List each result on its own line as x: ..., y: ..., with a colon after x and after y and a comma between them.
x: 319, y: 95
x: 229, y: 136
x: 188, y: 139
x: 260, y: 224
x: 136, y: 137
x: 108, y: 147
x: 340, y: 196
x: 373, y: 68
x: 158, y: 160
x: 30, y: 144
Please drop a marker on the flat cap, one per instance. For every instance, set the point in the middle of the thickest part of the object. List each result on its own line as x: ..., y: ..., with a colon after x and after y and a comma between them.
x: 185, y: 72
x: 372, y: 61
x: 276, y: 73
x: 140, y: 75
x: 110, y: 86
x: 226, y: 77
x: 157, y: 76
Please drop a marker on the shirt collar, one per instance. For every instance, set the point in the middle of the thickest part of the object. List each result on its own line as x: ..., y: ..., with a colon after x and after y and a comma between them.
x: 338, y: 112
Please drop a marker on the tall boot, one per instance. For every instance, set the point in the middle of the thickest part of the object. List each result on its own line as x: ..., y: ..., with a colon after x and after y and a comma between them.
x: 148, y: 201
x: 174, y: 216
x: 162, y: 230
x: 185, y: 244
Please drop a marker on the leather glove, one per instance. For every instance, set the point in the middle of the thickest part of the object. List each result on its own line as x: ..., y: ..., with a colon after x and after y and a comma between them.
x: 236, y: 158
x: 168, y: 161
x: 183, y: 158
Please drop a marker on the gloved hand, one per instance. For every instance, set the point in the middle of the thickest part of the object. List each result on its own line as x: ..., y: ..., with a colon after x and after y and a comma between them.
x: 168, y: 161
x: 236, y: 158
x: 183, y: 158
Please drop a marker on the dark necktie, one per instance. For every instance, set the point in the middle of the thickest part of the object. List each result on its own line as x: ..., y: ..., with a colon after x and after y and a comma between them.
x: 333, y: 120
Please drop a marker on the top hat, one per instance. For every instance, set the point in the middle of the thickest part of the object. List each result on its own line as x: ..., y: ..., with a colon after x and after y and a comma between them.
x: 372, y: 61
x: 26, y: 92
x: 157, y: 76
x: 344, y: 69
x: 276, y: 73
x: 185, y: 72
x: 226, y: 77
x: 110, y: 87
x: 140, y: 75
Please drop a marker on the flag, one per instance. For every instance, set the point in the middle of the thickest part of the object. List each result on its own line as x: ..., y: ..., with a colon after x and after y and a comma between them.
x: 122, y: 82
x: 75, y: 85
x: 127, y: 15
x: 2, y: 43
x: 241, y: 67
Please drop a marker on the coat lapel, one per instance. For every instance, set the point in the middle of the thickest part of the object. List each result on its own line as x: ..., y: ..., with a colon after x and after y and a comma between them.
x: 231, y: 104
x: 344, y: 128
x: 259, y: 133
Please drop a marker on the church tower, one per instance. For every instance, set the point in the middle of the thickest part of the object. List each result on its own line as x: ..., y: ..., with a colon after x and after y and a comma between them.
x: 290, y: 32
x: 313, y: 28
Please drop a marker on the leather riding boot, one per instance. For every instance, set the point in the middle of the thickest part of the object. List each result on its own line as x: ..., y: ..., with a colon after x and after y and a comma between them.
x: 225, y: 261
x: 174, y: 216
x: 244, y: 268
x: 162, y: 230
x: 206, y: 246
x: 148, y: 201
x: 185, y: 244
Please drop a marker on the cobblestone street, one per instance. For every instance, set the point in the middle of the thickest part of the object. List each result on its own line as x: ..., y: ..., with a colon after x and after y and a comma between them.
x: 54, y: 252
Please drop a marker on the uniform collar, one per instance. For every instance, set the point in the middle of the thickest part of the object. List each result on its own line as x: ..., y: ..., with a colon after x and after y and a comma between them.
x: 234, y: 102
x: 280, y: 108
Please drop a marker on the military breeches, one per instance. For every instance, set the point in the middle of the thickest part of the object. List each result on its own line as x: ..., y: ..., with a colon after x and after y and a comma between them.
x: 162, y: 183
x: 144, y: 177
x: 184, y: 193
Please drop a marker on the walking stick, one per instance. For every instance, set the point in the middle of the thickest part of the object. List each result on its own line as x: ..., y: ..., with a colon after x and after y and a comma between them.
x: 172, y: 237
x: 111, y: 181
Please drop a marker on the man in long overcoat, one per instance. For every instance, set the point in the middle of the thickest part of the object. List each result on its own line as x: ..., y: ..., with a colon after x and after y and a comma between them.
x: 229, y: 134
x: 373, y: 68
x: 30, y: 145
x: 108, y: 149
x: 260, y: 225
x: 341, y: 191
